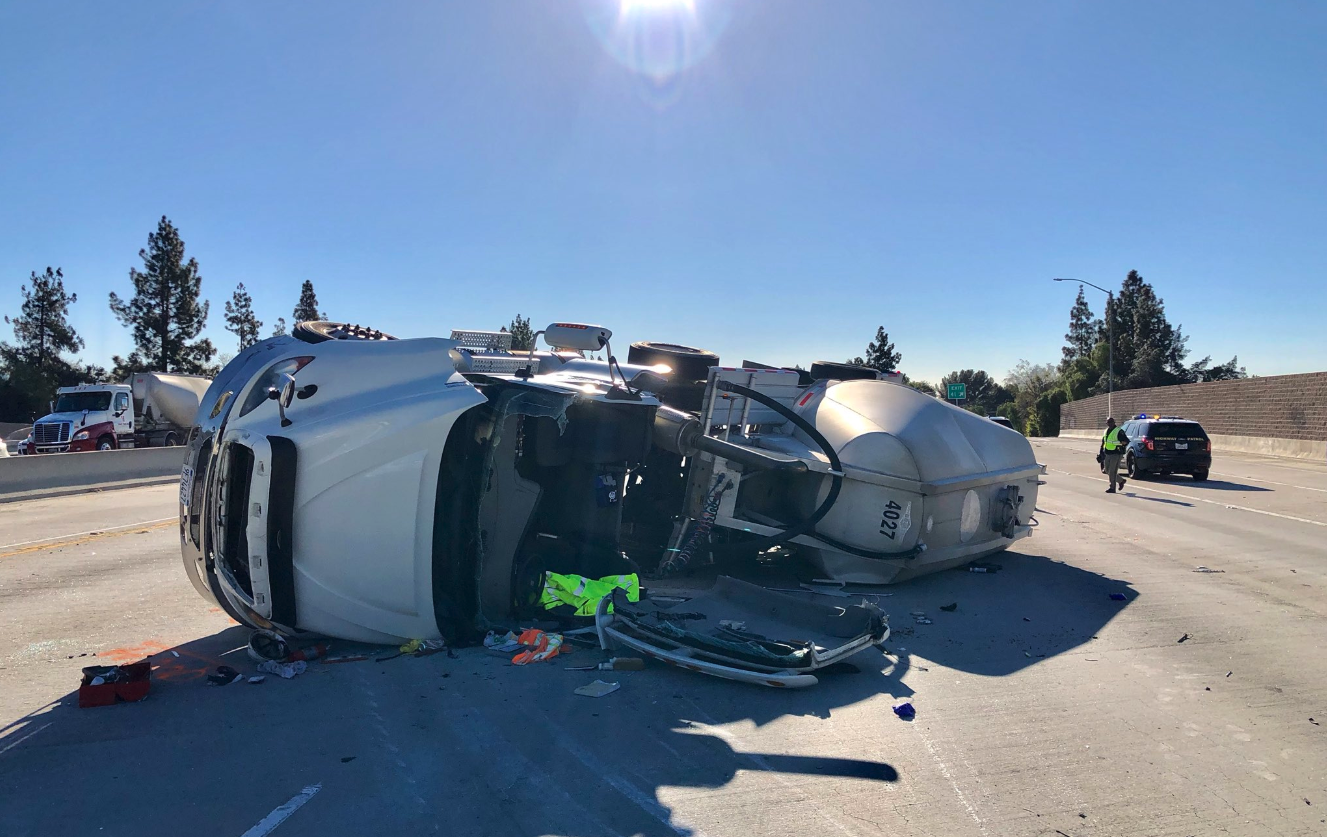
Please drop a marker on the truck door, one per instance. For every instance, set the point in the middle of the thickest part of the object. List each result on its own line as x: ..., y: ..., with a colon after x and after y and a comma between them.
x: 123, y: 418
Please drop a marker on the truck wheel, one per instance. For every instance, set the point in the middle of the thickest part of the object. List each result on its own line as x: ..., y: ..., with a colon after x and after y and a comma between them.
x: 171, y: 440
x: 688, y: 364
x: 1200, y: 476
x: 823, y: 370
x: 319, y: 331
x: 105, y: 443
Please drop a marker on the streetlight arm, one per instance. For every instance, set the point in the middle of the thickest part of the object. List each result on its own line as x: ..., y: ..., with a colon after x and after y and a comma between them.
x: 1081, y: 282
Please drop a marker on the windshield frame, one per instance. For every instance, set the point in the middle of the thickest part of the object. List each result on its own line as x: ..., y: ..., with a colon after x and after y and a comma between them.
x: 102, y: 404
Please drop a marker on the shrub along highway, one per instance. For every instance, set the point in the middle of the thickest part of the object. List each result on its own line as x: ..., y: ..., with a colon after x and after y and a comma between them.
x: 1197, y: 705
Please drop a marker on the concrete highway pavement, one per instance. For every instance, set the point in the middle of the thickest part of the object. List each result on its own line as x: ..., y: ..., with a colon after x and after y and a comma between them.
x: 1196, y: 706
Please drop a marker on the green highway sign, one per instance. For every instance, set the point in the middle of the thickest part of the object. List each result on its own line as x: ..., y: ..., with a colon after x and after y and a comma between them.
x: 958, y: 392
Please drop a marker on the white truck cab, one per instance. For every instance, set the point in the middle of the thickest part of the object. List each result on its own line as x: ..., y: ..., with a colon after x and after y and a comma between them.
x: 86, y: 417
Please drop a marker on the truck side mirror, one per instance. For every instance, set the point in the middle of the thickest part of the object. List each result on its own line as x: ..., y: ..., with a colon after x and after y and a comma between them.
x: 283, y: 397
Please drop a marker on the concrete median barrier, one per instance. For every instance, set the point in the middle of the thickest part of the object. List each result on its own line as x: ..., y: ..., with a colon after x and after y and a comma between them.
x: 23, y: 475
x: 1265, y: 446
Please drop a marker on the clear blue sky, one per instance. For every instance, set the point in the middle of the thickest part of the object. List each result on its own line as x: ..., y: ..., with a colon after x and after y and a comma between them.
x: 769, y: 179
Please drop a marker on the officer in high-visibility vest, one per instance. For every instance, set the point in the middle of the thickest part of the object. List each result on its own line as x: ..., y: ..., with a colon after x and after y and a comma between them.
x: 1113, y: 444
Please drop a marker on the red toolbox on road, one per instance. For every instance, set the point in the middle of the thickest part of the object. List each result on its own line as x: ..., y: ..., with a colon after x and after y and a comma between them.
x: 128, y: 683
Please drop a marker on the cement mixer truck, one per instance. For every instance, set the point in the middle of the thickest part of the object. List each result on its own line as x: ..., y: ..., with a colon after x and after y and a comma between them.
x: 345, y: 483
x: 151, y: 409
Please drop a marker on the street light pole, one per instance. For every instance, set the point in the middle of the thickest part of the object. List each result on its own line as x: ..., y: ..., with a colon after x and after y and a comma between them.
x: 1110, y: 337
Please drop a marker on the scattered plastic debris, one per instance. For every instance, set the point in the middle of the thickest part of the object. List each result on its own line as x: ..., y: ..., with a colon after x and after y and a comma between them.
x: 176, y: 653
x: 1202, y: 569
x: 1228, y: 673
x: 615, y: 664
x: 598, y: 689
x: 502, y: 644
x: 258, y: 680
x: 906, y: 711
x: 1118, y: 597
x: 424, y: 647
x: 949, y: 608
x: 346, y: 658
x: 285, y: 671
x: 224, y: 676
x: 984, y: 567
x: 1184, y: 638
x: 732, y: 625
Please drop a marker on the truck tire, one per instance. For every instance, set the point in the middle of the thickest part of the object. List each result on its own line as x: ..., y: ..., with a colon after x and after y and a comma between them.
x: 688, y: 364
x: 319, y: 331
x: 106, y: 443
x: 171, y: 440
x: 823, y: 370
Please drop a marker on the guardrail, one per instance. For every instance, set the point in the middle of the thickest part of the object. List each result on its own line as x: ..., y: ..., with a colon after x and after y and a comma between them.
x: 21, y: 474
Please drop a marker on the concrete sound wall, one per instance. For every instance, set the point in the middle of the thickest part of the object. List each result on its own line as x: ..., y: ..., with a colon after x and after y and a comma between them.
x: 1280, y: 415
x: 20, y: 474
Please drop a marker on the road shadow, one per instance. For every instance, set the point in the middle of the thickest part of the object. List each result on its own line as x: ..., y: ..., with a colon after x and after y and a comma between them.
x: 1157, y: 499
x: 475, y: 745
x: 1213, y: 485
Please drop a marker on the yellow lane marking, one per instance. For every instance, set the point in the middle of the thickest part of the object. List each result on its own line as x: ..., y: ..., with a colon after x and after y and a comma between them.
x: 89, y: 538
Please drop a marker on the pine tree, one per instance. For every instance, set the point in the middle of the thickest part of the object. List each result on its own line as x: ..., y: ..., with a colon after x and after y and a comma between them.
x: 42, y: 331
x: 1121, y: 317
x: 880, y: 353
x: 1085, y: 331
x: 32, y: 368
x: 307, y: 308
x: 522, y: 335
x: 279, y: 329
x: 1229, y: 371
x: 166, y: 312
x: 240, y: 319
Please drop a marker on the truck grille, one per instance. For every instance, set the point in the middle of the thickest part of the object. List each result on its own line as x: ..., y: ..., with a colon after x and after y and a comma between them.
x: 52, y: 433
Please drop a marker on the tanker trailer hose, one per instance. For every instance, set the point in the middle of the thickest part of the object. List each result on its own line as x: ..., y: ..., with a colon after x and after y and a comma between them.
x: 807, y: 525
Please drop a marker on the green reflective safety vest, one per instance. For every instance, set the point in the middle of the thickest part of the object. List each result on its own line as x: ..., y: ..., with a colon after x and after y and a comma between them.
x: 584, y: 593
x: 1111, y: 441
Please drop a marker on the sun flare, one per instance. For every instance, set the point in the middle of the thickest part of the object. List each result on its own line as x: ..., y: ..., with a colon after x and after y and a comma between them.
x: 627, y: 7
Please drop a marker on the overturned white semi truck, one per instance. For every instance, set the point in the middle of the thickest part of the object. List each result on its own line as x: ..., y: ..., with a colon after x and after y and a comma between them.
x: 345, y: 483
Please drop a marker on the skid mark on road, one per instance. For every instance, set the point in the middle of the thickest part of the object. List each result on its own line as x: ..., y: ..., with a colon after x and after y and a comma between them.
x: 1138, y: 487
x: 83, y: 537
